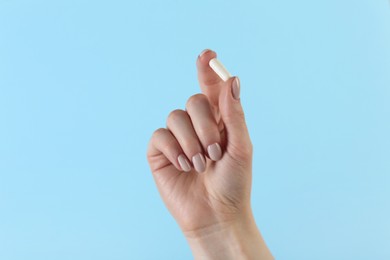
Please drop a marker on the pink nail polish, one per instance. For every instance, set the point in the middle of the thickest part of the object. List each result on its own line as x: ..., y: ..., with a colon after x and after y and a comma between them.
x: 184, y: 163
x: 236, y: 88
x: 199, y: 162
x: 214, y: 151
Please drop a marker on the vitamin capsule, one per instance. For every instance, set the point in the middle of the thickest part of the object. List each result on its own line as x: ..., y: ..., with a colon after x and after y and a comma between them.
x: 218, y: 67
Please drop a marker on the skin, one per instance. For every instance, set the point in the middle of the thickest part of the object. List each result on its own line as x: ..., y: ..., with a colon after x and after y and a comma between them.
x: 212, y: 205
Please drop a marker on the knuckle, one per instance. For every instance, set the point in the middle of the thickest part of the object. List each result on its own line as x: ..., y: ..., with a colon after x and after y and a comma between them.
x: 249, y: 150
x: 208, y: 132
x: 191, y: 147
x: 158, y: 133
x: 186, y: 143
x: 245, y: 152
x: 242, y: 155
x: 187, y: 146
x: 235, y: 117
x: 175, y: 116
x: 196, y: 100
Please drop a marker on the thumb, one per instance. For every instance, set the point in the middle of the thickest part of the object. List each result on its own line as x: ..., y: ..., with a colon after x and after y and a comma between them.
x: 238, y: 143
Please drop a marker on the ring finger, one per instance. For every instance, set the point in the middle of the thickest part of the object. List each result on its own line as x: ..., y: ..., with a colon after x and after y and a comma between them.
x: 206, y: 128
x: 179, y: 123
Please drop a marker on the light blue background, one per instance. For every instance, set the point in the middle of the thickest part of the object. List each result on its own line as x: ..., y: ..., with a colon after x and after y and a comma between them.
x: 83, y: 84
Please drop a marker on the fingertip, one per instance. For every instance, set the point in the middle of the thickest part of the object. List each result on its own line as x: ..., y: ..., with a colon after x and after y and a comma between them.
x: 206, y: 75
x: 205, y: 56
x: 203, y: 52
x: 214, y: 152
x: 184, y: 163
x: 199, y: 162
x: 235, y: 88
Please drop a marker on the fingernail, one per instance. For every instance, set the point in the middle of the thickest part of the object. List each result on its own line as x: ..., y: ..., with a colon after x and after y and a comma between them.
x: 184, y: 163
x: 214, y: 151
x: 236, y: 88
x: 199, y: 162
x: 203, y: 52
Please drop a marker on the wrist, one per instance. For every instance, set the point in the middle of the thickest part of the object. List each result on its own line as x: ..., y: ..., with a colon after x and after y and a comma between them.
x: 236, y: 239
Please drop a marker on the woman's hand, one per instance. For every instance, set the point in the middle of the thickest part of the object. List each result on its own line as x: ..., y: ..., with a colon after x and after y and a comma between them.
x: 202, y: 165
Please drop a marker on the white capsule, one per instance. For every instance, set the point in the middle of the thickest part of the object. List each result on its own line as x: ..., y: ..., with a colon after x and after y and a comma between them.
x: 218, y: 67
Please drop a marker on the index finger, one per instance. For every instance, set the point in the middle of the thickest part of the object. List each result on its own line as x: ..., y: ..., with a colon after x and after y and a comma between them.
x: 210, y: 83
